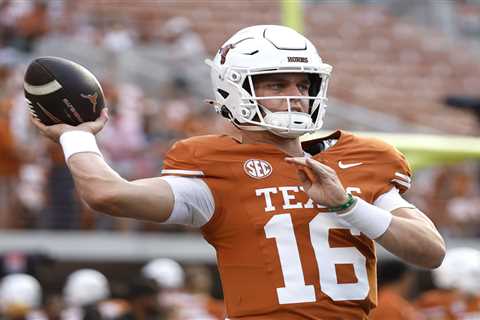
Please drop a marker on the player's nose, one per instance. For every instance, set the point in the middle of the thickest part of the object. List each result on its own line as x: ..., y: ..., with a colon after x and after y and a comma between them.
x: 296, y: 104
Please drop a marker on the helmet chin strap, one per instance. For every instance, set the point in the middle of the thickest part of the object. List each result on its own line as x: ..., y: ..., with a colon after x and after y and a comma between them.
x: 273, y: 118
x: 294, y: 124
x: 218, y: 109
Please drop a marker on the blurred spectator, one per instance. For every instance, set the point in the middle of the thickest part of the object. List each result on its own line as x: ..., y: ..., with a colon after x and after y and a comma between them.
x: 395, y: 284
x: 32, y: 176
x: 31, y: 194
x: 457, y: 296
x: 22, y: 262
x: 20, y: 297
x: 83, y: 292
x: 185, y: 55
x: 63, y: 207
x: 113, y: 309
x: 9, y: 13
x: 10, y: 163
x: 464, y: 203
x: 53, y: 307
x: 167, y: 273
x: 15, y: 262
x: 199, y: 285
x: 191, y: 301
x: 118, y: 38
x: 143, y: 302
x: 30, y: 26
x: 123, y: 141
x: 450, y: 194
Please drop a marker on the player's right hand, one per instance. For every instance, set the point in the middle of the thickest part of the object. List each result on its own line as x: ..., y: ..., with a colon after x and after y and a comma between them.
x: 54, y: 132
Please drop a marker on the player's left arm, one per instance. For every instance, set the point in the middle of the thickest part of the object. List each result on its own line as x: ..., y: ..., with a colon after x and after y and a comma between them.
x: 413, y: 237
x: 405, y: 232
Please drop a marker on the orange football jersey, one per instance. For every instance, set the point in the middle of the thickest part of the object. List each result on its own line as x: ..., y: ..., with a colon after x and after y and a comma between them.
x: 279, y: 254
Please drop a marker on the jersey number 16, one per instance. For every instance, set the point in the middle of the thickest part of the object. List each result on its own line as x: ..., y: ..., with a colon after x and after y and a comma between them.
x: 280, y: 227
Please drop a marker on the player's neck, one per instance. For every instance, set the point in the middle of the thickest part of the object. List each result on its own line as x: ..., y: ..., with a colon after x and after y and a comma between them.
x: 291, y: 147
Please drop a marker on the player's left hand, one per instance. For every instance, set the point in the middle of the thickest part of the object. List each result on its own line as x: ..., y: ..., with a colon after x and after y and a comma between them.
x: 54, y: 132
x: 320, y: 182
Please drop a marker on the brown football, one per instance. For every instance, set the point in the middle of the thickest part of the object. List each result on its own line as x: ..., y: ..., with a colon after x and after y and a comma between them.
x: 58, y: 90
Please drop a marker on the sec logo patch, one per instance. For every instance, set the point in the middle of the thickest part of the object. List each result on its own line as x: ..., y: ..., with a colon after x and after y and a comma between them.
x: 257, y: 169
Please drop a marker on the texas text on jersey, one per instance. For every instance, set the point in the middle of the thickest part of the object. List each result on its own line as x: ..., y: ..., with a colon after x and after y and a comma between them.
x: 279, y: 254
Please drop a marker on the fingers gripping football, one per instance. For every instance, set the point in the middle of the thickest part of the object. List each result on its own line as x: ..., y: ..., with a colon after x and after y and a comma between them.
x: 54, y: 132
x: 320, y: 182
x: 97, y: 125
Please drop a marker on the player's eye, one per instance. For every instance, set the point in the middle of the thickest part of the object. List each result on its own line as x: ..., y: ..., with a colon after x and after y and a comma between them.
x: 304, y: 87
x: 276, y: 86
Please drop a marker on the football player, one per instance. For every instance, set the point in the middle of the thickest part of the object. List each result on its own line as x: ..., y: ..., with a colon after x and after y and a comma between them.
x: 293, y: 224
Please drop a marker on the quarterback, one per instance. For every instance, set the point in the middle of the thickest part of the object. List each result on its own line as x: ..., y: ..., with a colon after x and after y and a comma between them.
x: 293, y: 224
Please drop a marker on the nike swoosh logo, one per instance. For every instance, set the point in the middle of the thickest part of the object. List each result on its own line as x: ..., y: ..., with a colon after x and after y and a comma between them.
x: 348, y: 165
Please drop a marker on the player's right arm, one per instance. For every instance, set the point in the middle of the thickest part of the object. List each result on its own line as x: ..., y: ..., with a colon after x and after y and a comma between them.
x: 105, y: 190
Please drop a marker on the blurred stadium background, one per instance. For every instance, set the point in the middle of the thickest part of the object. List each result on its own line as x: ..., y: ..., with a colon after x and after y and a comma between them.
x: 408, y: 70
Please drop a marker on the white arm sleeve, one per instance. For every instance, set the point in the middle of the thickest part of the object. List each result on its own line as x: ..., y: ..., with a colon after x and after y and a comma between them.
x: 194, y: 205
x: 392, y: 200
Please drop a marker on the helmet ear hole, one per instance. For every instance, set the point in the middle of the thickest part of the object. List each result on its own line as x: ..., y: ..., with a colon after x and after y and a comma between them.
x: 223, y: 93
x: 225, y: 112
x: 315, y: 84
x: 246, y: 86
x: 314, y: 115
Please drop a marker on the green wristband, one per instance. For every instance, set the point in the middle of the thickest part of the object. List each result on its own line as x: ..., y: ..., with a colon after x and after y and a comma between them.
x: 350, y: 202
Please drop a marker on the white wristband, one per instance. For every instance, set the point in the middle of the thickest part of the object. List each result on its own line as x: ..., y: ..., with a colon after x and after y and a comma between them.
x: 78, y: 141
x: 368, y: 219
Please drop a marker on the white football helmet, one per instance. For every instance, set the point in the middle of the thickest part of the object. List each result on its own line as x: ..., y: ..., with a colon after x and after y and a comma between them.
x: 268, y: 49
x: 460, y: 270
x: 166, y: 272
x: 84, y: 287
x: 19, y: 294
